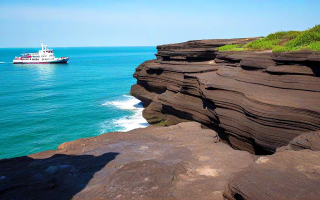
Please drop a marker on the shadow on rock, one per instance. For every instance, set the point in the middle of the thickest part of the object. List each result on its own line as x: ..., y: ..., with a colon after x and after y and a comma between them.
x: 58, y: 177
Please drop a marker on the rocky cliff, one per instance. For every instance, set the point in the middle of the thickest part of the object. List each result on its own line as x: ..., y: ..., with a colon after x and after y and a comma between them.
x: 256, y: 101
x: 173, y: 162
x: 183, y: 161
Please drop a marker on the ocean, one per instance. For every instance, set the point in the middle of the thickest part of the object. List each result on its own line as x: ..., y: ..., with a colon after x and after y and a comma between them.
x: 42, y: 106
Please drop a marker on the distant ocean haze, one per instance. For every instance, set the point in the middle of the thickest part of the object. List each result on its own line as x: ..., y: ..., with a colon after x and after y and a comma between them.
x: 42, y: 106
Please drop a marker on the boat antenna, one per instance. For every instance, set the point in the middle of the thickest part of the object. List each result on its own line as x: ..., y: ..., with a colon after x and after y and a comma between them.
x: 41, y: 44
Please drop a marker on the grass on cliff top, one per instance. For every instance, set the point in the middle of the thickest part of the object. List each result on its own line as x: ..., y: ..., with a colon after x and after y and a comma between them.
x: 283, y: 41
x: 232, y: 47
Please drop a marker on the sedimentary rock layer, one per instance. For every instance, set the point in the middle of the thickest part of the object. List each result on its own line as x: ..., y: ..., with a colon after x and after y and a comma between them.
x: 256, y: 101
x: 285, y: 175
x: 183, y: 161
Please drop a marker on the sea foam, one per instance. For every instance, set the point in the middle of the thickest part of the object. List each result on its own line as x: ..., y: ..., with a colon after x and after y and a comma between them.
x: 129, y: 122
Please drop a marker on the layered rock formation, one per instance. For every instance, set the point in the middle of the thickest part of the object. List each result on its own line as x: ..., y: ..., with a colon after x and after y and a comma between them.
x: 183, y: 161
x: 256, y: 101
x: 177, y: 162
x: 285, y: 175
x: 293, y: 172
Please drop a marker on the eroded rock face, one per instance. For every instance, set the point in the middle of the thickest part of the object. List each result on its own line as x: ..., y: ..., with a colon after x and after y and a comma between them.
x: 309, y: 140
x: 256, y: 101
x: 284, y: 175
x: 183, y: 161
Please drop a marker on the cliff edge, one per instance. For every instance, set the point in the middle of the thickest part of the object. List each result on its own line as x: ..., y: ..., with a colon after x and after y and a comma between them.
x: 261, y: 102
x: 175, y: 162
x: 183, y: 161
x: 256, y: 100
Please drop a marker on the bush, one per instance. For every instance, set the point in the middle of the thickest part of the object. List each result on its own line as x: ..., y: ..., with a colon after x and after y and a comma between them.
x: 282, y: 41
x: 314, y: 46
x: 272, y: 40
x: 306, y: 38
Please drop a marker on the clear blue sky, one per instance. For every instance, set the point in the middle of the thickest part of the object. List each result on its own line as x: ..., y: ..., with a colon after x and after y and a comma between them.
x: 147, y: 23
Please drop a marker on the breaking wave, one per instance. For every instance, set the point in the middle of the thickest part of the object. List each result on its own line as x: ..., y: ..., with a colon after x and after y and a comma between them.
x: 129, y: 122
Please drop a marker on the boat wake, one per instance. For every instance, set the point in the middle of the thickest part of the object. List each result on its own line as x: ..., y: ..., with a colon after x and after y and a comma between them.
x: 129, y: 122
x: 2, y: 62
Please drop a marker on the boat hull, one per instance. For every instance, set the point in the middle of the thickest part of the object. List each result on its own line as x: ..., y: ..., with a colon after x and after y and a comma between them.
x: 62, y: 61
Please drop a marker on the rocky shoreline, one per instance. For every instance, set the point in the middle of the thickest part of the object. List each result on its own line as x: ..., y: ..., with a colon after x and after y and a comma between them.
x: 256, y: 101
x: 183, y: 161
x: 230, y: 125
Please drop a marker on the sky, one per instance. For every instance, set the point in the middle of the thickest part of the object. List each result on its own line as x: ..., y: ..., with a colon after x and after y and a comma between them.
x: 80, y: 23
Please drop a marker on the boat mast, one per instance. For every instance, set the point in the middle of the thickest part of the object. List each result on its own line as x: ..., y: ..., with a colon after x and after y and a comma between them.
x: 41, y: 44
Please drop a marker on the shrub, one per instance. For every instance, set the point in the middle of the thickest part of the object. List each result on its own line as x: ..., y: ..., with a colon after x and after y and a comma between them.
x: 272, y: 40
x: 306, y: 38
x: 314, y: 46
x: 282, y: 41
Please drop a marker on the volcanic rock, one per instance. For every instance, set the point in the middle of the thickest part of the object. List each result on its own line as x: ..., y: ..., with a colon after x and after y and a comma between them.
x: 256, y: 101
x: 284, y: 175
x: 183, y: 161
x: 309, y: 140
x: 260, y: 102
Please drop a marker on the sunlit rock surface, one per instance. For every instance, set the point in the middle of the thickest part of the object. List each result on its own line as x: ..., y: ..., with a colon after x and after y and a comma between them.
x: 260, y: 102
x: 256, y: 101
x: 183, y: 161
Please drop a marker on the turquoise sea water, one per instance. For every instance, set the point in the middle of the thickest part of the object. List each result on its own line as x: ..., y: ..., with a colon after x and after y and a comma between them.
x: 42, y: 106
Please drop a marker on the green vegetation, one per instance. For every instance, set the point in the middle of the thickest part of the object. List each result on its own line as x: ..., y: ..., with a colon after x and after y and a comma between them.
x: 273, y: 40
x: 231, y: 47
x: 283, y: 41
x: 162, y: 123
x: 314, y: 46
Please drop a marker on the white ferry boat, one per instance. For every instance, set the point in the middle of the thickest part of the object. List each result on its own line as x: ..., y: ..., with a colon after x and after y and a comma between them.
x: 45, y: 56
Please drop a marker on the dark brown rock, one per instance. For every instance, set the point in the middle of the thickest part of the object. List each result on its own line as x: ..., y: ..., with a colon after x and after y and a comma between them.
x: 284, y: 175
x: 257, y: 101
x: 141, y: 93
x: 196, y: 49
x: 298, y: 56
x: 183, y: 161
x: 309, y: 140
